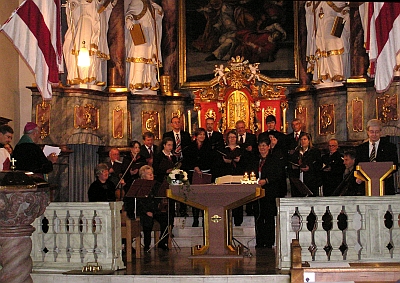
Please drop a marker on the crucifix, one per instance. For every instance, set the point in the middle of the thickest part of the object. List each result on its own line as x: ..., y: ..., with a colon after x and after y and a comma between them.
x: 13, y: 167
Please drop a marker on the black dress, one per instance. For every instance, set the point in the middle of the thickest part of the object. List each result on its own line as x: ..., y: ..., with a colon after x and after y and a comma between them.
x: 271, y: 169
x: 312, y: 178
x: 99, y: 191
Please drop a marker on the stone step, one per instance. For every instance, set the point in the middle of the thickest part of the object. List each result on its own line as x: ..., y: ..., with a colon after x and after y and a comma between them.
x: 187, y: 236
x: 248, y: 221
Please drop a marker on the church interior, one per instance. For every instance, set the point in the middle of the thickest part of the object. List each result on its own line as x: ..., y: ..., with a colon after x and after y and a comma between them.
x: 259, y: 63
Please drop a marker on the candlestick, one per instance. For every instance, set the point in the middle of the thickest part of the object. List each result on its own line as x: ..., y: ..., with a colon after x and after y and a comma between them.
x: 262, y: 119
x: 190, y: 122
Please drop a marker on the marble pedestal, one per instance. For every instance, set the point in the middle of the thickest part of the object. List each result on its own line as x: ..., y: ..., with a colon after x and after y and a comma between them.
x: 19, y: 207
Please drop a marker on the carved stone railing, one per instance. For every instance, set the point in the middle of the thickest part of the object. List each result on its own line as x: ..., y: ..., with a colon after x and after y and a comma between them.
x: 71, y: 234
x: 339, y: 229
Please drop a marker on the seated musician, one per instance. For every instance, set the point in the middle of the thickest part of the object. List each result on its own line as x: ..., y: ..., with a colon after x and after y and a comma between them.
x: 149, y: 209
x: 349, y: 185
x: 102, y: 189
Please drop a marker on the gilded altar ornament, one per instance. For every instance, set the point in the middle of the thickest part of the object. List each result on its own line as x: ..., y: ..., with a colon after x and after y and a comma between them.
x: 150, y: 124
x: 321, y: 13
x: 92, y: 267
x: 216, y: 218
x: 43, y: 118
x: 178, y: 114
x: 210, y: 113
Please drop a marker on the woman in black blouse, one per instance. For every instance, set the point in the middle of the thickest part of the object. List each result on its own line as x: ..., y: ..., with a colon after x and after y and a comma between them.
x: 307, y: 164
x: 198, y: 159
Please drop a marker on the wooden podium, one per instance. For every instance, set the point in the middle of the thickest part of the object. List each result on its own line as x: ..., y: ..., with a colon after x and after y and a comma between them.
x: 216, y: 201
x: 374, y: 175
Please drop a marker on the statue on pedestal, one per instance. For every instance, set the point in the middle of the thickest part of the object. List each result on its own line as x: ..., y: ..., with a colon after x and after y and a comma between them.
x: 144, y: 21
x: 87, y: 28
x: 328, y: 46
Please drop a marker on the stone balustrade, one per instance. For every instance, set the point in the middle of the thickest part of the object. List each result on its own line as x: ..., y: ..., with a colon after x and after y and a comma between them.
x: 339, y: 229
x: 71, y: 234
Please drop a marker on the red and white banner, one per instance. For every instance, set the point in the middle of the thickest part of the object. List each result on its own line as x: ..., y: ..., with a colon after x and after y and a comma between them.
x: 383, y: 41
x: 35, y: 30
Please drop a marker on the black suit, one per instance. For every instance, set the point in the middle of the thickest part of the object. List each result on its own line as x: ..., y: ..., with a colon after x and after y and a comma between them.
x: 119, y: 169
x: 145, y: 152
x: 385, y: 152
x: 332, y: 173
x: 291, y: 142
x: 185, y: 138
x: 216, y: 140
x: 251, y: 139
x: 185, y: 143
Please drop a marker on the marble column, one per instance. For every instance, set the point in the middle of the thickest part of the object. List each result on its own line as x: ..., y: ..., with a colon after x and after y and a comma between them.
x: 304, y: 78
x: 358, y: 56
x: 116, y: 40
x: 169, y: 41
x: 19, y: 207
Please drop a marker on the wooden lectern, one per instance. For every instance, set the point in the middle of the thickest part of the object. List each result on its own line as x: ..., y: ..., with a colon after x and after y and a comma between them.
x: 216, y: 201
x: 374, y: 175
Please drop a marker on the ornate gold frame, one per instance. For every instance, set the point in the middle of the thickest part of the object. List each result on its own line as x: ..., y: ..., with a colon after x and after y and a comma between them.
x: 86, y: 117
x: 386, y: 107
x: 357, y: 105
x: 300, y: 112
x: 118, y: 123
x: 326, y: 119
x: 43, y: 111
x: 151, y: 123
x: 182, y: 51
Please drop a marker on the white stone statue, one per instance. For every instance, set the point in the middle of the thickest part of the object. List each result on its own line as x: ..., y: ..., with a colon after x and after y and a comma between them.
x: 87, y: 22
x: 328, y: 55
x: 144, y: 17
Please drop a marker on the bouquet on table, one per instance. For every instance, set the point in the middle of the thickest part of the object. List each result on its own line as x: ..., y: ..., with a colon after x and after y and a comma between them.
x: 180, y: 177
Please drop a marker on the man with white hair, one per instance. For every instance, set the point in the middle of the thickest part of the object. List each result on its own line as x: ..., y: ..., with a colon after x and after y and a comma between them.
x: 29, y: 156
x: 378, y: 149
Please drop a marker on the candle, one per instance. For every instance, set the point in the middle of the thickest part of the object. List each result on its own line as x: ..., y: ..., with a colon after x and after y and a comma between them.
x: 199, y: 117
x: 189, y: 122
x: 284, y: 120
x: 262, y: 119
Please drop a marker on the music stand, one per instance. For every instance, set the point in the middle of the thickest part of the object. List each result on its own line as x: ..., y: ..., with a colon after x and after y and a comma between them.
x: 140, y: 188
x: 162, y: 193
x: 301, y: 187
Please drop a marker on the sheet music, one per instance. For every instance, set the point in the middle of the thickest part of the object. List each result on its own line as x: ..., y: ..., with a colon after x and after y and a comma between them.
x: 48, y: 149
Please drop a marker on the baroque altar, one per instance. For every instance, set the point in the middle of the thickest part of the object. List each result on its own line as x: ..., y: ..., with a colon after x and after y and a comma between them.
x: 239, y: 92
